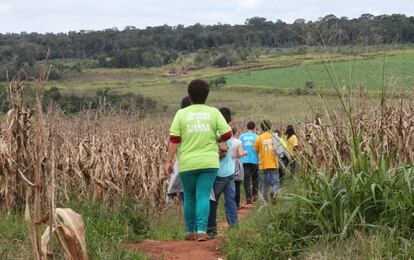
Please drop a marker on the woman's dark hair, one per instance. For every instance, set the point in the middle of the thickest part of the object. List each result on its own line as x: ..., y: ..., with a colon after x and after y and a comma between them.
x: 289, y: 131
x: 266, y: 125
x: 234, y: 130
x: 185, y: 102
x: 198, y: 91
x: 251, y: 125
x: 226, y: 114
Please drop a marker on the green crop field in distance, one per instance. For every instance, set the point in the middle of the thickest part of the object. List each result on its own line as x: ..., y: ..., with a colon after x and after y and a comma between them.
x: 257, y: 89
x: 399, y: 72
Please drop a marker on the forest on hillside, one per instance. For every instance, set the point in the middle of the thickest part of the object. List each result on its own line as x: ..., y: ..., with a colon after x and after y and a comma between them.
x: 160, y: 45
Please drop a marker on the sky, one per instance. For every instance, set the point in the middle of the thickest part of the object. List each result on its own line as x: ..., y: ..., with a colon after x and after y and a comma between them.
x: 73, y: 15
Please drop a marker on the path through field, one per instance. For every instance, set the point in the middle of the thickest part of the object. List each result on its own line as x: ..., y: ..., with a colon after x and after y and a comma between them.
x: 182, y: 250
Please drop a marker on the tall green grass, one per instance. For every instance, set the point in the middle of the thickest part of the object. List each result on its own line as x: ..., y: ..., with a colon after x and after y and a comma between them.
x: 364, y: 194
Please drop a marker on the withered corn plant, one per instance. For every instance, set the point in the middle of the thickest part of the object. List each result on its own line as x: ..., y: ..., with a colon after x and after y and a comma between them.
x: 329, y: 145
x: 28, y: 168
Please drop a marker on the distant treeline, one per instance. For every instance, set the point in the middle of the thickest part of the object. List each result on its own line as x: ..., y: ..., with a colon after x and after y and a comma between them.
x: 156, y: 46
x: 103, y: 100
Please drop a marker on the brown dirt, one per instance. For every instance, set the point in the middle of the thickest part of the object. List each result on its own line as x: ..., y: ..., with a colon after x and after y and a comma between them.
x: 181, y: 250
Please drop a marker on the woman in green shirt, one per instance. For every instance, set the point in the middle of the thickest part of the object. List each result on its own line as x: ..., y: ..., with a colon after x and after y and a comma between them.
x: 196, y: 132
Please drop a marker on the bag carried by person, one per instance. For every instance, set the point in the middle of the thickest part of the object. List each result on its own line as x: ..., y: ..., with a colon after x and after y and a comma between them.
x: 279, y: 148
x: 238, y: 170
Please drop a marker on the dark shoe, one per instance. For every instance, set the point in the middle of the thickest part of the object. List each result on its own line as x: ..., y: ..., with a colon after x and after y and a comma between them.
x: 191, y: 237
x: 202, y: 237
x: 249, y: 201
x: 212, y: 233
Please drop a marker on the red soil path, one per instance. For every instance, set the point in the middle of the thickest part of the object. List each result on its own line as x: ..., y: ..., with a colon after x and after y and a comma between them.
x: 182, y: 250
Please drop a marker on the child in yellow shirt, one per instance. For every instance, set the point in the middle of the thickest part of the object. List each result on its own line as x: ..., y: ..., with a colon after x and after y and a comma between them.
x: 292, y: 144
x: 268, y: 160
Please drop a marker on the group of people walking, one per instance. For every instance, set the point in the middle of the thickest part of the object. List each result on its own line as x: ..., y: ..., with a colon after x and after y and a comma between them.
x: 212, y: 161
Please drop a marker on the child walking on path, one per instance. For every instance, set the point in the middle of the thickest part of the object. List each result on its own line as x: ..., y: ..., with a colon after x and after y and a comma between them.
x: 224, y: 183
x: 174, y: 186
x: 194, y: 129
x: 268, y: 161
x: 250, y: 163
x: 291, y: 145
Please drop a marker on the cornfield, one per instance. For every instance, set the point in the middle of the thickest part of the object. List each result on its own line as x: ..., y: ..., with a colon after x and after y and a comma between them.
x: 116, y: 157
x: 103, y: 158
x: 331, y: 143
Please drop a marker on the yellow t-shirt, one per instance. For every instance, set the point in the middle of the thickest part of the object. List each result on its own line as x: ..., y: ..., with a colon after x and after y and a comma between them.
x: 291, y: 143
x: 263, y: 145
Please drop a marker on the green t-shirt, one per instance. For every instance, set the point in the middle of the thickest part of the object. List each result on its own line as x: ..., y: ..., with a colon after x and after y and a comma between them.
x: 198, y: 126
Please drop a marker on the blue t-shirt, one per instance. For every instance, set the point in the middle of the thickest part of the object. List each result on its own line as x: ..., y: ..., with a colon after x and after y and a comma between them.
x: 226, y: 164
x: 248, y: 143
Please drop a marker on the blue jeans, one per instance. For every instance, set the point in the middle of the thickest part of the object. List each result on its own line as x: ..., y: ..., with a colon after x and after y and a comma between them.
x: 269, y: 178
x: 226, y: 185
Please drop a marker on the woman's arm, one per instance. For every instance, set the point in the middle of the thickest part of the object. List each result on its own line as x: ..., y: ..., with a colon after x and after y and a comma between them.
x: 172, y: 149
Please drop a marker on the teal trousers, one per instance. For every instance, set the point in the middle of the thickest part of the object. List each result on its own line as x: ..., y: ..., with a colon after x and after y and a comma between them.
x: 197, y: 185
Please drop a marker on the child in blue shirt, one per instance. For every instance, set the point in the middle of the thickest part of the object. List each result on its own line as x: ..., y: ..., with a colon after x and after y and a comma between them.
x: 224, y: 183
x: 250, y: 163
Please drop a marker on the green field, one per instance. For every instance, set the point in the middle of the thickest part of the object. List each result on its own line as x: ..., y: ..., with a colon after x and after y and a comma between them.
x: 263, y: 88
x: 399, y: 73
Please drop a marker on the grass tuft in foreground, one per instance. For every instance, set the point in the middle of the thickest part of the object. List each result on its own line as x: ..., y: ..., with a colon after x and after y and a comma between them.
x: 106, y: 229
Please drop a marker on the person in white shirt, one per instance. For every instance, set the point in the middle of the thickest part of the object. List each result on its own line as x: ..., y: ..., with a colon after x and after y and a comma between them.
x: 237, y: 153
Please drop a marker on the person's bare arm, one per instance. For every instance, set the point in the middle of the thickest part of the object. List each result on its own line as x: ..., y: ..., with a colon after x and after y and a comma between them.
x: 241, y: 152
x: 222, y: 149
x: 172, y: 149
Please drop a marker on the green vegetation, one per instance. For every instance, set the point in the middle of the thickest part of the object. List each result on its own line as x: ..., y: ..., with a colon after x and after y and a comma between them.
x: 105, y: 100
x: 364, y: 73
x: 106, y: 229
x: 363, y: 197
x: 375, y: 205
x: 219, y: 45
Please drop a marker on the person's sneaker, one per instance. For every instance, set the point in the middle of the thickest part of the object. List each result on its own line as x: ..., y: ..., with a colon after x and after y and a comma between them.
x: 202, y: 237
x: 212, y: 233
x: 249, y: 201
x: 191, y: 237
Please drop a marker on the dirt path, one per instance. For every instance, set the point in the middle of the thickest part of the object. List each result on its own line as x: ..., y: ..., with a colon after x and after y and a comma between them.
x: 182, y: 250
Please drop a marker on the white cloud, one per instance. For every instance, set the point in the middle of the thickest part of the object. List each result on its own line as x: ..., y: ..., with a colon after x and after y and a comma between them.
x: 249, y: 3
x: 5, y: 7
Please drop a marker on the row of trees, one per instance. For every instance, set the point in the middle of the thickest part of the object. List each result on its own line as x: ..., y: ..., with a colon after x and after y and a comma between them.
x: 104, y: 100
x: 155, y: 46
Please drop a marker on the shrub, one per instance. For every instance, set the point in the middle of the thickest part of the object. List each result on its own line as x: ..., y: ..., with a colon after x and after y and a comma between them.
x: 217, y: 83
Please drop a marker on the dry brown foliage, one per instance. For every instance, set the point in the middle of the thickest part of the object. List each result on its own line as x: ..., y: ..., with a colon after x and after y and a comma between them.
x: 328, y: 144
x: 104, y: 159
x: 70, y: 232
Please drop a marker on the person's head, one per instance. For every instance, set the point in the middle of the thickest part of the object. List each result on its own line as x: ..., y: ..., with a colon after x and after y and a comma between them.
x: 251, y: 126
x: 234, y: 130
x: 226, y: 114
x: 277, y: 131
x: 266, y: 125
x: 185, y: 102
x: 198, y: 91
x: 289, y: 131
